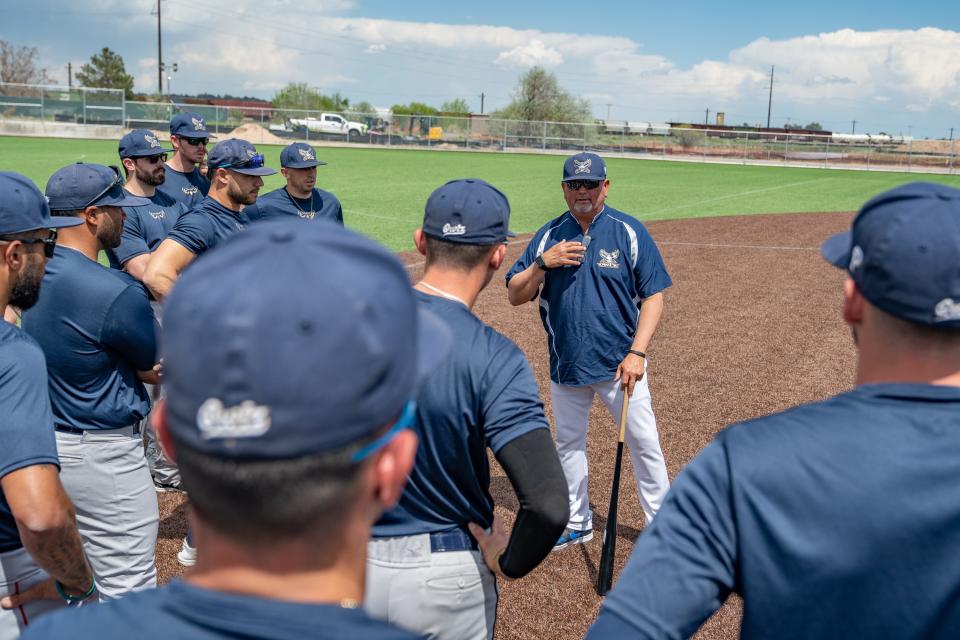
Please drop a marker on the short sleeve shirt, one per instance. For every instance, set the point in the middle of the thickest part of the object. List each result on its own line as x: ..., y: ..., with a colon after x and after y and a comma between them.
x: 188, y: 188
x: 186, y: 612
x: 97, y: 330
x: 207, y: 225
x: 839, y: 519
x: 483, y: 395
x: 590, y: 312
x: 26, y: 428
x: 145, y: 228
x: 321, y: 205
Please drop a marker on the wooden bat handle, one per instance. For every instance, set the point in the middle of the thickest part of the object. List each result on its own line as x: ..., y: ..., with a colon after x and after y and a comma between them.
x: 623, y: 413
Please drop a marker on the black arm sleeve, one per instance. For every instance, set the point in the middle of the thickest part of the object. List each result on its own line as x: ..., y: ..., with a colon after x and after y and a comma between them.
x: 534, y: 470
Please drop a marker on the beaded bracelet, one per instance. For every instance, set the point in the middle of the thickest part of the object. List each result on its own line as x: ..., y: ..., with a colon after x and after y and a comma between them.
x: 69, y: 598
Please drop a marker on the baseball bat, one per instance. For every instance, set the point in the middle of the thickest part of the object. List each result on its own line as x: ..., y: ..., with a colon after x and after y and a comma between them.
x: 605, y: 574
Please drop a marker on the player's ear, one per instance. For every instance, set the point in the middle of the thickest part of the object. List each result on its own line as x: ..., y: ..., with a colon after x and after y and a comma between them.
x: 497, y: 256
x: 853, y: 303
x: 90, y: 215
x: 158, y: 420
x: 420, y: 241
x: 392, y: 467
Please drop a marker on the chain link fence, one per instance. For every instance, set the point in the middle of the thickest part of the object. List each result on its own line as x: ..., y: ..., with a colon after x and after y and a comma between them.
x: 81, y: 106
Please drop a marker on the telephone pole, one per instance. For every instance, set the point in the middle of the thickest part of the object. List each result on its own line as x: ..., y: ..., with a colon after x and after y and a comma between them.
x: 159, y: 54
x: 706, y: 118
x: 769, y: 99
x: 608, y: 111
x: 69, y: 75
x: 854, y: 129
x: 482, y: 96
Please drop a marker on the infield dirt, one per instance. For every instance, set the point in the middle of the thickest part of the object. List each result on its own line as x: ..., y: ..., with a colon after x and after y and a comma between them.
x: 751, y: 326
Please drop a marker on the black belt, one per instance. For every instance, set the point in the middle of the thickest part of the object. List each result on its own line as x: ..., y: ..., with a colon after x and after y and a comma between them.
x: 62, y: 428
x: 452, y: 541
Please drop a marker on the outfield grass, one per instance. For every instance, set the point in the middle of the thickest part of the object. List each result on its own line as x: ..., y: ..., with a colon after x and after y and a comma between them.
x: 383, y: 190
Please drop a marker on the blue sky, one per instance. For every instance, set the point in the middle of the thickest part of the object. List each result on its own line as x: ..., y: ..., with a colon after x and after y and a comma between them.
x: 892, y: 66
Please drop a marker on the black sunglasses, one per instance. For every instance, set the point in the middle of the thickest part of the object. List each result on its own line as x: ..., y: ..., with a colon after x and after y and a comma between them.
x: 160, y: 157
x: 117, y: 182
x: 195, y: 141
x: 49, y: 243
x: 574, y: 185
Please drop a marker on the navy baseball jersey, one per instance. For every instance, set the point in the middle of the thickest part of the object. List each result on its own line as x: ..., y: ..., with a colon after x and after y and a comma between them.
x: 590, y: 312
x: 321, y: 205
x: 26, y: 428
x: 483, y: 395
x: 146, y: 227
x: 186, y: 612
x: 207, y: 225
x: 188, y: 188
x: 839, y: 519
x: 97, y: 330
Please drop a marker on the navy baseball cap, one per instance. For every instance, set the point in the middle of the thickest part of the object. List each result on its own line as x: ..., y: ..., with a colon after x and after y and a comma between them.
x: 77, y: 186
x: 188, y: 125
x: 255, y: 369
x: 141, y: 143
x: 584, y: 166
x: 24, y: 208
x: 238, y: 155
x: 299, y: 155
x: 903, y: 251
x: 468, y: 211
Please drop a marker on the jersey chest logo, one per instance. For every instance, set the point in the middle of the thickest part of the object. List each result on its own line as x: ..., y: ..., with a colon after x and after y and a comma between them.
x: 190, y: 191
x: 608, y: 260
x: 307, y: 215
x: 158, y: 215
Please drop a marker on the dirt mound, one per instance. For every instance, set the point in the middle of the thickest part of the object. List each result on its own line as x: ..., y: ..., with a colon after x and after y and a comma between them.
x: 253, y: 133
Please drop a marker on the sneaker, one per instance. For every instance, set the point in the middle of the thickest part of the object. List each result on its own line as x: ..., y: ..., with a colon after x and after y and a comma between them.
x: 165, y: 488
x: 188, y: 555
x: 572, y: 536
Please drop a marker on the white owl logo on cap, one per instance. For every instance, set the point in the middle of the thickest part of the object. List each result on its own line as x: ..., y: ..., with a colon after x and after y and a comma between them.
x: 152, y: 141
x: 856, y: 259
x: 306, y: 154
x: 946, y: 310
x: 198, y: 124
x: 251, y: 152
x: 582, y: 166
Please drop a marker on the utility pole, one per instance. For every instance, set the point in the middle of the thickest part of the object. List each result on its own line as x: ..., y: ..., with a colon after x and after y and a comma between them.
x: 608, y: 111
x: 482, y: 96
x: 706, y: 118
x: 159, y: 54
x: 951, y: 134
x: 769, y: 99
x: 70, y: 76
x: 854, y: 129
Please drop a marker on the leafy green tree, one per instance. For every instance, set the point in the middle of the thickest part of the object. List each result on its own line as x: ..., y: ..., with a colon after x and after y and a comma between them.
x: 299, y: 95
x: 539, y: 96
x: 106, y: 71
x: 414, y: 108
x: 363, y: 107
x: 457, y: 106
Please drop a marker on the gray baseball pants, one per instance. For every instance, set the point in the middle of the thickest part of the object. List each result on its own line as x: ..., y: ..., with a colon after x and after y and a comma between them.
x: 18, y: 572
x: 106, y: 475
x: 448, y: 595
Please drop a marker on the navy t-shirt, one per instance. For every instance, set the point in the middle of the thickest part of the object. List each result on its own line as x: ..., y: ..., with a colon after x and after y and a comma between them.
x: 207, y: 225
x: 26, y: 426
x: 186, y: 612
x: 483, y: 395
x: 321, y: 205
x: 590, y: 312
x: 146, y: 227
x: 96, y: 329
x: 839, y: 519
x: 188, y: 188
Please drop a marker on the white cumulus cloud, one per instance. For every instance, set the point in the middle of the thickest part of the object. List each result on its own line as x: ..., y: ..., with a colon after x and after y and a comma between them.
x: 530, y: 55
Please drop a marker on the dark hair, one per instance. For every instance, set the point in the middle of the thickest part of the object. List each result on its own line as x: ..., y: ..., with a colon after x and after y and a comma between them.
x: 455, y: 255
x: 256, y: 501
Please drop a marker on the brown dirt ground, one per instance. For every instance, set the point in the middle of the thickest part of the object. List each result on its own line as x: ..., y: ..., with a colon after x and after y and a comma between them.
x: 751, y: 326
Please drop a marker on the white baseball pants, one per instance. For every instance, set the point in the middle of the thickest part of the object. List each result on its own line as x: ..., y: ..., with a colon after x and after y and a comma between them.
x: 18, y: 572
x: 571, y: 412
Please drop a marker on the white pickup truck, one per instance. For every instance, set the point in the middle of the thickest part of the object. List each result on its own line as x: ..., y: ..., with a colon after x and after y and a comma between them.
x: 330, y: 123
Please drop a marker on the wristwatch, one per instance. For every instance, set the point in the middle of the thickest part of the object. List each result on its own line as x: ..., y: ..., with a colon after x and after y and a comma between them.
x: 540, y: 263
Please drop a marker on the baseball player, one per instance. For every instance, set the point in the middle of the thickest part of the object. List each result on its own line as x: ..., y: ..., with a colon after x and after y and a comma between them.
x: 99, y: 335
x: 300, y: 198
x: 840, y: 518
x: 432, y: 562
x: 144, y: 228
x: 41, y: 554
x: 600, y: 279
x: 289, y: 456
x: 236, y: 174
x: 184, y: 182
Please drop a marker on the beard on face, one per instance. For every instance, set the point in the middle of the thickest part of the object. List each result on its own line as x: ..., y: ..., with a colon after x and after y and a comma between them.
x: 151, y: 177
x: 238, y: 196
x: 26, y: 291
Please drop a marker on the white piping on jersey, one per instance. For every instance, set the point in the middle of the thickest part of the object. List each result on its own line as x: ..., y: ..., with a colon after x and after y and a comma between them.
x: 553, y: 338
x: 546, y: 236
x: 634, y: 244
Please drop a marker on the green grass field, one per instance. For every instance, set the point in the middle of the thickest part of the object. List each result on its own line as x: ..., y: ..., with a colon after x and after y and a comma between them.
x: 383, y: 190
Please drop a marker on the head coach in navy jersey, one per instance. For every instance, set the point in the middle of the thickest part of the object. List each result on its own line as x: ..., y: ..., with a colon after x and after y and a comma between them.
x: 300, y: 197
x: 99, y: 335
x: 236, y: 174
x: 184, y: 181
x: 40, y: 549
x: 600, y: 279
x: 838, y: 519
x: 289, y: 416
x: 432, y: 562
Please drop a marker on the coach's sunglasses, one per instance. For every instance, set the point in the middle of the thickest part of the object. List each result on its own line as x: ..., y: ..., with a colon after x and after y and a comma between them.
x: 590, y: 185
x: 49, y: 243
x: 255, y: 162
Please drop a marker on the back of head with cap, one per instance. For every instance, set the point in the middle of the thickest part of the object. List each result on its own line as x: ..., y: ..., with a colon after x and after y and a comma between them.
x: 287, y: 351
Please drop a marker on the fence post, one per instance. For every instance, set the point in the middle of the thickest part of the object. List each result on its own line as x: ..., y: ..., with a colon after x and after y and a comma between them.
x: 43, y: 97
x: 910, y: 155
x: 953, y: 154
x: 83, y: 92
x: 503, y: 144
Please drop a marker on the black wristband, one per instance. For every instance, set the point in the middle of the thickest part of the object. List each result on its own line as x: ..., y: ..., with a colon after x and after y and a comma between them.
x: 637, y: 353
x: 540, y: 263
